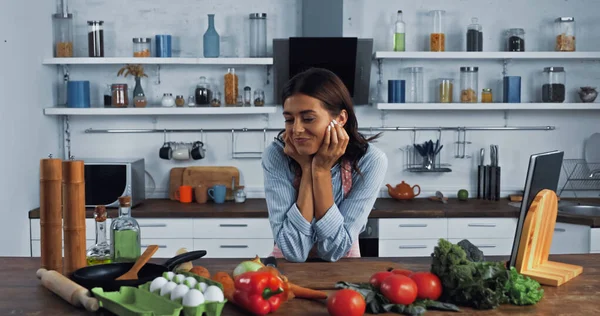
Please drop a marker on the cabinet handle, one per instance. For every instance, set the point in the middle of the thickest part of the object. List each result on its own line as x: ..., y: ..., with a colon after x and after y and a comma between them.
x: 234, y: 246
x: 413, y: 247
x: 560, y: 230
x: 153, y: 225
x: 412, y: 225
x: 482, y: 225
x: 485, y: 246
x: 159, y: 246
x: 233, y: 225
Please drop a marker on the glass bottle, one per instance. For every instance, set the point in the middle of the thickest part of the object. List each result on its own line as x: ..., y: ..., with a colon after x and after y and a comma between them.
x: 414, y: 87
x: 259, y: 97
x: 203, y: 93
x: 258, y: 35
x: 107, y: 97
x: 474, y: 36
x: 437, y: 38
x: 63, y: 30
x: 211, y: 39
x: 399, y: 33
x: 553, y: 87
x: 231, y: 87
x: 247, y: 96
x: 469, y: 79
x: 125, y: 234
x: 446, y: 90
x: 99, y: 253
x: 216, y: 101
x: 515, y: 40
x: 120, y: 95
x: 95, y: 38
x: 565, y: 34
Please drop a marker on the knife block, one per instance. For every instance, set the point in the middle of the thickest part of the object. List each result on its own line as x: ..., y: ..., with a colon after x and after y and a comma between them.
x: 536, y: 239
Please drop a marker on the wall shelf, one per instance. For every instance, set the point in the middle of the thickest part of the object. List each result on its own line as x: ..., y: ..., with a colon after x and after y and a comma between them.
x: 485, y: 106
x: 157, y: 61
x: 157, y: 110
x: 486, y: 55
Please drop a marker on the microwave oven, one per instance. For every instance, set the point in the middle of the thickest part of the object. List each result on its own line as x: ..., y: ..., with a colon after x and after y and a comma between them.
x: 108, y: 179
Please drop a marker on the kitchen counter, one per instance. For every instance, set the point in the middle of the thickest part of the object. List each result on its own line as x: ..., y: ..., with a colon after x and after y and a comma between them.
x: 21, y: 293
x: 384, y: 208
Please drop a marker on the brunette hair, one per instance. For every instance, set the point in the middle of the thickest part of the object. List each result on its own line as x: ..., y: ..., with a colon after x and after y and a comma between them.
x: 328, y: 88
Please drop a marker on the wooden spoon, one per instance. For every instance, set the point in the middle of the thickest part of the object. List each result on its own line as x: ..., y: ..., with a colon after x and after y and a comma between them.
x: 132, y: 274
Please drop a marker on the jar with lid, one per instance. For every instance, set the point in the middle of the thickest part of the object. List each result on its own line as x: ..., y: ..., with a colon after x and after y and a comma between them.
x: 62, y: 24
x: 474, y: 36
x: 240, y: 101
x: 191, y: 101
x: 515, y: 40
x: 95, y: 38
x: 120, y: 95
x: 259, y: 97
x: 240, y: 195
x: 231, y: 87
x: 168, y: 100
x: 486, y: 95
x: 247, y: 96
x: 469, y: 79
x: 437, y: 38
x: 203, y: 93
x: 179, y: 101
x: 258, y: 35
x: 141, y: 47
x: 565, y: 34
x: 414, y: 87
x: 553, y: 87
x: 108, y: 96
x: 216, y: 100
x: 446, y: 90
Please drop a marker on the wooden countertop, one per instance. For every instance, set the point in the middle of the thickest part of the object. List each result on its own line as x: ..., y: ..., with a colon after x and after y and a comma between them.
x: 384, y: 208
x: 21, y: 293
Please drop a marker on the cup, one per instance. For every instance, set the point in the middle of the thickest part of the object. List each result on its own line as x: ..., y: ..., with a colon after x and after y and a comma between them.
x: 181, y: 153
x: 201, y: 194
x: 217, y: 193
x: 184, y: 194
x: 198, y: 152
x: 165, y: 152
x: 163, y: 45
x: 396, y: 91
x: 78, y: 94
x: 512, y: 89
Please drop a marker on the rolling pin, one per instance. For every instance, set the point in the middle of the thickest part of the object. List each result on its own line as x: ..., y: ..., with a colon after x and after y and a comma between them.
x: 70, y: 291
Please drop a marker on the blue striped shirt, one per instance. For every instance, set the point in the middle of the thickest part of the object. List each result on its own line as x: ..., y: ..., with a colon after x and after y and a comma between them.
x: 339, y: 228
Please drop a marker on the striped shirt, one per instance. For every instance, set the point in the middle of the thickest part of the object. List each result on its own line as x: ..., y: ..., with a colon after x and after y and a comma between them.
x: 339, y: 228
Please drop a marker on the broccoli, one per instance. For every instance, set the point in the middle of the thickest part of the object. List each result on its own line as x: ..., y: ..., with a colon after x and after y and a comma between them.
x: 473, y: 253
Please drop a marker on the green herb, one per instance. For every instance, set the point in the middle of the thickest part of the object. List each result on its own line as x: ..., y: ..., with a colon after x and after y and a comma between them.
x: 522, y: 290
x: 473, y: 253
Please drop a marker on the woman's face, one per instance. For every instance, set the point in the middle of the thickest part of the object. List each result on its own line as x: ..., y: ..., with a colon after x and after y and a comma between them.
x: 306, y: 121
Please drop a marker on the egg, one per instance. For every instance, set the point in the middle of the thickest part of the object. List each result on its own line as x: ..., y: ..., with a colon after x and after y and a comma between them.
x: 167, y: 288
x: 157, y: 284
x: 214, y: 294
x: 191, y: 282
x: 179, y: 278
x: 169, y: 275
x: 202, y: 286
x: 179, y: 291
x: 193, y: 298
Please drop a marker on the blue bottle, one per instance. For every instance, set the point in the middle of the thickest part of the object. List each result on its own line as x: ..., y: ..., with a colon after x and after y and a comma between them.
x: 211, y: 39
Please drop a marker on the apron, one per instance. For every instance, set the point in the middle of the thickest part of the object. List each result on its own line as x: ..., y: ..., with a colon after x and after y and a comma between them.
x: 346, y: 175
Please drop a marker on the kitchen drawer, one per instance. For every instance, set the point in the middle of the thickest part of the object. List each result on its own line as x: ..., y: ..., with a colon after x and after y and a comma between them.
x: 406, y: 248
x: 166, y: 228
x: 570, y: 239
x: 234, y: 248
x: 413, y: 228
x: 490, y: 246
x: 467, y: 228
x: 167, y: 248
x: 36, y: 250
x: 90, y: 229
x: 595, y: 240
x: 232, y: 228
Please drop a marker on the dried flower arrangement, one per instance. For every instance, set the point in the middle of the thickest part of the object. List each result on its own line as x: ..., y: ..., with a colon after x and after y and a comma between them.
x: 134, y: 70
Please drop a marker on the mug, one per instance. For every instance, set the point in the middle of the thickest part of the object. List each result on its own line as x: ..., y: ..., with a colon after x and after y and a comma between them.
x: 165, y: 152
x: 198, y: 151
x: 184, y: 194
x: 78, y: 94
x: 201, y: 194
x: 396, y: 91
x: 181, y: 153
x: 217, y: 193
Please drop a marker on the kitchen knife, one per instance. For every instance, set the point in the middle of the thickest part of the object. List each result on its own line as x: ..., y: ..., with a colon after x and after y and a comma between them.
x: 498, y: 173
x: 493, y: 174
x: 481, y: 174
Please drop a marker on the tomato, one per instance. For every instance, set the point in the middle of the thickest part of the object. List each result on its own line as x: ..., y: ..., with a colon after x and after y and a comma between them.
x: 402, y: 272
x: 428, y: 284
x: 399, y: 289
x: 378, y: 277
x: 346, y: 302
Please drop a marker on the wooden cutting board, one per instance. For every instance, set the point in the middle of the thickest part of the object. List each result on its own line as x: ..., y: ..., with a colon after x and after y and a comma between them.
x: 209, y: 176
x: 175, y: 181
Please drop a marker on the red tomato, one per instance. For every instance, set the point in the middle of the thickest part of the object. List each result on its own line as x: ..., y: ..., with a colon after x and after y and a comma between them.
x: 428, y: 284
x: 399, y: 289
x: 402, y: 272
x: 378, y: 277
x: 346, y: 302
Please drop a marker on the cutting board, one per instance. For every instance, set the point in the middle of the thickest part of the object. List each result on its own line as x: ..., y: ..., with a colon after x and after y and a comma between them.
x: 209, y: 176
x: 175, y: 181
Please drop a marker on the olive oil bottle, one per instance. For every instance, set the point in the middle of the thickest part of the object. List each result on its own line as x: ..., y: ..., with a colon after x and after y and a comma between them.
x: 125, y: 234
x: 99, y: 253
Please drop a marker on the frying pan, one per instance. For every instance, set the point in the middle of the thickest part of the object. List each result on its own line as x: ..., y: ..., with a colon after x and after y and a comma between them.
x: 104, y: 275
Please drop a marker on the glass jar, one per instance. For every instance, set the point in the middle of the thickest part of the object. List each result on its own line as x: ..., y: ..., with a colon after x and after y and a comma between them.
x: 515, y: 40
x: 437, y: 38
x: 179, y: 101
x: 469, y: 78
x: 231, y: 87
x: 216, y: 100
x: 414, y: 87
x: 486, y: 95
x: 95, y: 38
x: 247, y: 96
x: 474, y: 36
x: 259, y: 97
x: 141, y: 47
x: 203, y: 93
x: 553, y: 87
x: 125, y: 234
x: 120, y: 95
x: 99, y: 253
x: 108, y: 96
x: 240, y: 196
x: 565, y: 34
x: 191, y: 101
x: 168, y: 100
x: 258, y: 35
x: 240, y: 101
x: 140, y: 101
x: 446, y: 90
x: 62, y: 24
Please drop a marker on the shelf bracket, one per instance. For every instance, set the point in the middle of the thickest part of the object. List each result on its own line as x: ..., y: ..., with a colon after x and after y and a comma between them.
x: 380, y: 69
x: 268, y: 74
x: 67, y: 137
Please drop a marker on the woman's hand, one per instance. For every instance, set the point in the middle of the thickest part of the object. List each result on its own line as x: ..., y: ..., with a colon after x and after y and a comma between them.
x: 290, y: 150
x: 333, y: 147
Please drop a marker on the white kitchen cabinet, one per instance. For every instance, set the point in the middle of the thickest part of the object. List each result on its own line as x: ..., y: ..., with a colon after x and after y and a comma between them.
x: 90, y: 228
x: 413, y: 228
x: 490, y: 246
x: 167, y: 248
x: 177, y: 228
x: 406, y: 247
x: 481, y: 227
x: 232, y: 228
x: 36, y: 250
x: 234, y: 247
x: 570, y: 239
x: 595, y: 240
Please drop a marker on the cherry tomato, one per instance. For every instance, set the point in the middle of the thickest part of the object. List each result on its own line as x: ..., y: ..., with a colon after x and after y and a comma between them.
x: 399, y: 289
x: 378, y: 277
x: 346, y: 302
x: 428, y: 284
x: 402, y: 272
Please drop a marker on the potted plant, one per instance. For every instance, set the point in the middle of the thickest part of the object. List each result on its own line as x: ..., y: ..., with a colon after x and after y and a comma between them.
x: 139, y: 98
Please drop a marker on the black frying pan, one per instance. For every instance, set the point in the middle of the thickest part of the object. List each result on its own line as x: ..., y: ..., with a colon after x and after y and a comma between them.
x: 104, y: 275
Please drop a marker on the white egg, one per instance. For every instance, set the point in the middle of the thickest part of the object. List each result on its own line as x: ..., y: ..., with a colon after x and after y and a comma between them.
x: 193, y: 298
x: 157, y: 284
x: 169, y: 275
x: 202, y: 286
x: 191, y: 282
x: 167, y: 288
x: 179, y: 291
x: 214, y: 294
x: 178, y: 278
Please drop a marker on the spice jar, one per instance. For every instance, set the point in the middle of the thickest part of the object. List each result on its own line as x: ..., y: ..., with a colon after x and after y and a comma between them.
x: 486, y: 95
x: 216, y: 100
x: 565, y: 34
x: 140, y: 101
x: 240, y: 101
x: 231, y: 87
x: 437, y: 38
x: 191, y: 101
x: 168, y: 100
x: 469, y: 78
x: 240, y: 196
x: 446, y: 88
x: 474, y: 37
x: 120, y: 97
x: 179, y: 101
x: 553, y: 87
x: 141, y: 47
x: 259, y: 97
x: 247, y: 96
x: 515, y: 40
x: 203, y: 93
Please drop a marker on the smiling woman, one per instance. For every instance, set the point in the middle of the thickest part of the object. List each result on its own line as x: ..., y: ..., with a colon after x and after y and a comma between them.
x: 322, y: 176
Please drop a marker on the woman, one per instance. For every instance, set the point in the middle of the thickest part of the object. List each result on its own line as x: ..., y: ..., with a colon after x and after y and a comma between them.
x: 321, y: 176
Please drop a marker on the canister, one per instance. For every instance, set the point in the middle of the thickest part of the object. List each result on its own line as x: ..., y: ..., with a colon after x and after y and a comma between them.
x: 512, y: 89
x: 78, y: 94
x: 163, y: 45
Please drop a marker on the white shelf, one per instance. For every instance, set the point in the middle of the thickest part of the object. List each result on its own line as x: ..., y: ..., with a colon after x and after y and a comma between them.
x: 157, y: 110
x: 486, y: 106
x: 486, y: 55
x: 157, y: 61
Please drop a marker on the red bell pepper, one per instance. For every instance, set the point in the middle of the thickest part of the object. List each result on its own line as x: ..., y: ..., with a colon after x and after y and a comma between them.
x: 258, y: 292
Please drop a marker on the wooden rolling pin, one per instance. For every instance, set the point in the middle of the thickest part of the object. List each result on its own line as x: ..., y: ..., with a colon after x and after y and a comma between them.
x: 70, y: 291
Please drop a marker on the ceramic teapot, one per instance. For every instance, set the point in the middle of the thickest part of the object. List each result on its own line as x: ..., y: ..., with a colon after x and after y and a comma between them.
x: 403, y: 191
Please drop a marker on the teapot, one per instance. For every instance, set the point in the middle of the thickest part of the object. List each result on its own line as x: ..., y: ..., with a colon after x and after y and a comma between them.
x: 403, y: 191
